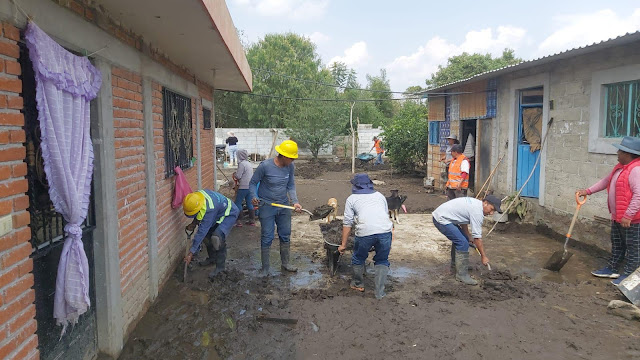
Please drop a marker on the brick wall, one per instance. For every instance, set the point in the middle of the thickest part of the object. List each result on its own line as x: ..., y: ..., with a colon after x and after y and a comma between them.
x: 206, y: 140
x: 17, y: 311
x: 171, y: 222
x: 131, y: 192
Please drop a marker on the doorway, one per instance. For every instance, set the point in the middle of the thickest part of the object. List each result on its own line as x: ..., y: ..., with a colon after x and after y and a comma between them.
x: 468, y: 141
x: 529, y: 141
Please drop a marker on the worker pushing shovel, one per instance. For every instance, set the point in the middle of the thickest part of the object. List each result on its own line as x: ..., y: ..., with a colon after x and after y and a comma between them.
x: 214, y: 215
x: 453, y: 218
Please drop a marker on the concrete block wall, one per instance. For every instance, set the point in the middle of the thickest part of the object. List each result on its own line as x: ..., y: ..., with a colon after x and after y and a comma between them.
x: 569, y: 164
x: 131, y: 191
x: 17, y: 311
x: 366, y: 132
x: 260, y: 141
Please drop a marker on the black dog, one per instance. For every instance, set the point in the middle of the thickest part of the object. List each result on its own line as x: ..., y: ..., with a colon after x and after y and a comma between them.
x: 394, y: 203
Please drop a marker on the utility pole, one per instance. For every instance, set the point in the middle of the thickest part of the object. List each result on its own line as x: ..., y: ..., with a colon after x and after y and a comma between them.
x: 353, y: 140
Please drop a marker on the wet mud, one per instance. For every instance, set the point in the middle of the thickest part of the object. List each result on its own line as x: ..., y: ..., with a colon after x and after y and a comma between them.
x: 494, y: 286
x: 518, y: 311
x: 332, y: 233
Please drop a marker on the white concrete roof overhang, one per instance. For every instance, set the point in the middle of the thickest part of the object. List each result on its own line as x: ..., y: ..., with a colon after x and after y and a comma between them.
x: 196, y: 34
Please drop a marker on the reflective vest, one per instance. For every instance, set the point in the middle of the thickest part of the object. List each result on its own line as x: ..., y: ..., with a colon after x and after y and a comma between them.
x: 455, y: 174
x: 623, y: 190
x: 378, y: 147
x: 209, y: 204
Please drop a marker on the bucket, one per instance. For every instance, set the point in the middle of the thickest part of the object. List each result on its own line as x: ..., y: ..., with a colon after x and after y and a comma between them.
x: 500, y: 218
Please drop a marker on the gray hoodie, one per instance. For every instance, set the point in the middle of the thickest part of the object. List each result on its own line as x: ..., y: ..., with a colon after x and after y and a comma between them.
x: 245, y: 171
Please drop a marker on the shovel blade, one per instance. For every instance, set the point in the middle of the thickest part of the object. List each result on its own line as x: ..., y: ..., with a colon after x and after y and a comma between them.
x: 557, y: 260
x: 630, y: 287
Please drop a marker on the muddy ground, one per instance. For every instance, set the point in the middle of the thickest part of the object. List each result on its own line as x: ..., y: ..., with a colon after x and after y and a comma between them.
x: 519, y: 311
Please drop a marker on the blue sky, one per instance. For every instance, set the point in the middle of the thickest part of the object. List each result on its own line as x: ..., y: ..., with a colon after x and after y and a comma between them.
x: 411, y: 38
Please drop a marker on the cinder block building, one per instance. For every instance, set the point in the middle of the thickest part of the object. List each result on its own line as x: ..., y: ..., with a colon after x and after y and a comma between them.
x: 581, y: 101
x: 160, y: 62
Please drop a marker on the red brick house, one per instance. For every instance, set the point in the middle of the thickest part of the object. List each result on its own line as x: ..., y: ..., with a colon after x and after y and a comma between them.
x: 159, y: 65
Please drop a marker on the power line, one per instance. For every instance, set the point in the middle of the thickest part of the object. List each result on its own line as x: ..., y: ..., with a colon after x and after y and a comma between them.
x: 316, y: 99
x: 331, y: 85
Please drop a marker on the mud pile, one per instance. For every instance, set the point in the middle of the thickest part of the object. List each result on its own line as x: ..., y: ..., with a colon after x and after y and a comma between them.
x: 494, y: 286
x: 332, y: 233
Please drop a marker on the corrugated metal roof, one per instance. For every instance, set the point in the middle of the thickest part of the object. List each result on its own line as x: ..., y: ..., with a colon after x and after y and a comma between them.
x: 604, y: 44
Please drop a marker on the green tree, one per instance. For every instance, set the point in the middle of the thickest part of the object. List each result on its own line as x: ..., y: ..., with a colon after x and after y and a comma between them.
x: 466, y: 65
x: 382, y: 92
x: 406, y: 137
x: 289, y: 54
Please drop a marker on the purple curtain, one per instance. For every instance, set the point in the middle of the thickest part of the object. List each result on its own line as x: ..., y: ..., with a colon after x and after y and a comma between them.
x: 65, y: 84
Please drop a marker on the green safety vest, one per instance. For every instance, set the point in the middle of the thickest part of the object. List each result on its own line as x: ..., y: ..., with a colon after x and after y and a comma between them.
x: 210, y: 202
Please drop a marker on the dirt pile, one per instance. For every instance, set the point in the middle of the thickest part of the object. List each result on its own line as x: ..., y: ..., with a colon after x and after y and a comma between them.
x: 495, y: 286
x: 332, y: 233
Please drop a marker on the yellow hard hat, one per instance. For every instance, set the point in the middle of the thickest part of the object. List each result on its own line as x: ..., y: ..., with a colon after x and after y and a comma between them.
x: 288, y: 148
x: 193, y: 203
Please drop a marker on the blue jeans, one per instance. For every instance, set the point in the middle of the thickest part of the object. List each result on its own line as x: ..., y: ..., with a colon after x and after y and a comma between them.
x: 379, y: 160
x: 270, y: 217
x: 243, y: 195
x: 455, y: 234
x: 380, y: 242
x: 232, y: 153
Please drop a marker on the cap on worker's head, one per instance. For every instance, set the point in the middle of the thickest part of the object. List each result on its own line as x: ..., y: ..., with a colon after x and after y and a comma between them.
x: 629, y: 144
x: 361, y: 184
x: 493, y: 200
x: 452, y: 137
x: 288, y: 148
x: 457, y: 148
x: 230, y: 133
x: 192, y: 203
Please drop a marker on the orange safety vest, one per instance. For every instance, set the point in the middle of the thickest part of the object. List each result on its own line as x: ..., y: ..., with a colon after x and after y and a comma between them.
x: 455, y: 174
x: 378, y: 147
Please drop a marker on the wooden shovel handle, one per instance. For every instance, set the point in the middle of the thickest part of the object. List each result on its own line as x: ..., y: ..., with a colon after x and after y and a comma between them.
x: 579, y: 203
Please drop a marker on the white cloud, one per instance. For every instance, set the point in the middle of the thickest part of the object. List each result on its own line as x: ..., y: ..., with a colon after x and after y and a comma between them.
x: 293, y: 9
x: 318, y: 37
x: 405, y: 71
x: 354, y: 56
x: 584, y: 29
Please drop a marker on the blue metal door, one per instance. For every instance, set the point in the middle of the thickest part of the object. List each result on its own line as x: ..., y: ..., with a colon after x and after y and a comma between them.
x: 530, y: 118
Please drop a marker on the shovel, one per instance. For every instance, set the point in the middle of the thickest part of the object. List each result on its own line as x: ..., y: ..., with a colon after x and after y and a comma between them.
x: 186, y: 265
x: 559, y: 258
x: 320, y: 212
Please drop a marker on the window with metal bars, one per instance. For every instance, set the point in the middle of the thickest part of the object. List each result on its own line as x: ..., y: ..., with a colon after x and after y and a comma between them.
x: 622, y: 109
x: 178, y: 139
x: 206, y: 119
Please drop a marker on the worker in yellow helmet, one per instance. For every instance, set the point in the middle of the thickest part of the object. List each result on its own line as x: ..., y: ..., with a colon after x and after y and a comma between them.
x: 277, y: 185
x: 214, y: 215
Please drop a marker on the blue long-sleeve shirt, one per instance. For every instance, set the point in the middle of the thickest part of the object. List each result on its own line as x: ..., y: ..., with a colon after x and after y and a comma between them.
x: 277, y: 184
x: 220, y: 203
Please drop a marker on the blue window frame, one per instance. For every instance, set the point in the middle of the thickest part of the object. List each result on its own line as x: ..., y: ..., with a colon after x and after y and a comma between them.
x: 434, y: 132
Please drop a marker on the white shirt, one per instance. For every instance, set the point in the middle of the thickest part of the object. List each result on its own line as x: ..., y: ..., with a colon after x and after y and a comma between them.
x: 369, y: 213
x: 462, y: 211
x: 464, y: 167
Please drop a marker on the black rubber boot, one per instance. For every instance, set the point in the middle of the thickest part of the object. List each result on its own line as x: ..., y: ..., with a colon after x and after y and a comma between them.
x: 453, y: 259
x: 462, y: 268
x: 357, y: 283
x: 252, y: 218
x: 285, y: 248
x: 380, y: 279
x: 264, y: 255
x: 211, y: 254
x: 221, y: 258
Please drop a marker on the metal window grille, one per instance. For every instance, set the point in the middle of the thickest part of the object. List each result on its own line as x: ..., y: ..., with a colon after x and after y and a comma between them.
x: 206, y: 119
x: 434, y: 132
x: 178, y: 139
x: 622, y: 109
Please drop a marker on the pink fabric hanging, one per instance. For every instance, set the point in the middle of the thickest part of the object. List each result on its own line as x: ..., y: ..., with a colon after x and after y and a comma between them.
x: 182, y: 188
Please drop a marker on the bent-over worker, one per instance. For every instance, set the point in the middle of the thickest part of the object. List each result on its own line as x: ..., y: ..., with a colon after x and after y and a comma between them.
x: 453, y: 218
x: 367, y: 210
x: 623, y: 186
x: 277, y: 185
x: 215, y: 215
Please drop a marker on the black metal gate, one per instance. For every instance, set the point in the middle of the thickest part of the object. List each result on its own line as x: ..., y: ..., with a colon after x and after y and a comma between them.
x: 47, y: 238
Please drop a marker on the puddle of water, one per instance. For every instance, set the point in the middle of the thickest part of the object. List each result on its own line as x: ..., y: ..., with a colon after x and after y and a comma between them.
x: 402, y: 272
